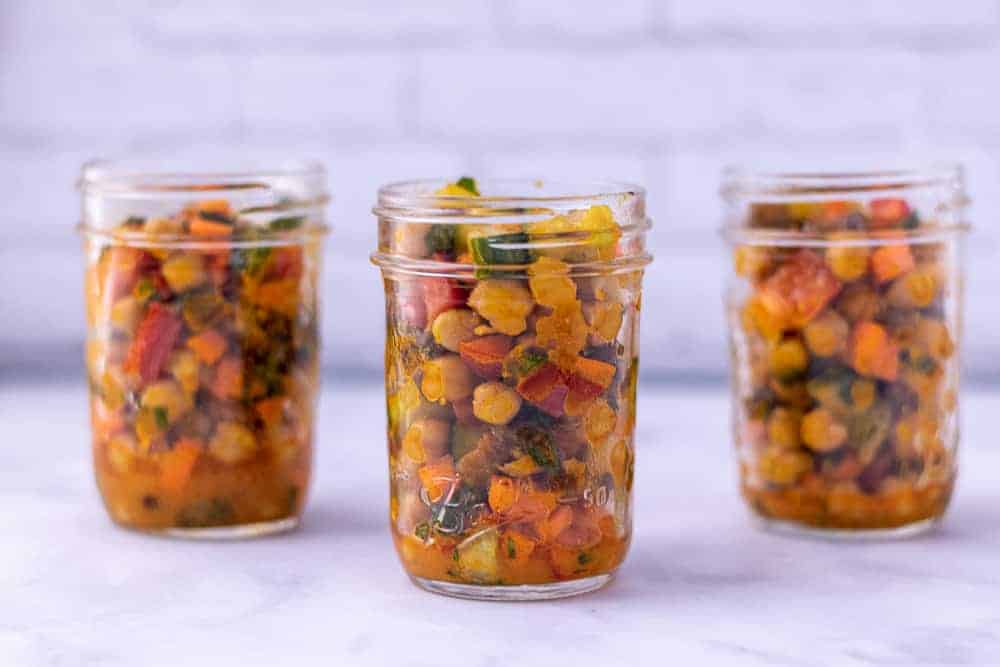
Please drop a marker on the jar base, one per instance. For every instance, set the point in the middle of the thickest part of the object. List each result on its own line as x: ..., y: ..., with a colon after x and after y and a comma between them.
x: 244, y: 531
x: 521, y: 593
x: 794, y: 529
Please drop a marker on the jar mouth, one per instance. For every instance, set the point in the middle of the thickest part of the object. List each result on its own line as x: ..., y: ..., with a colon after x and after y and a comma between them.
x: 154, y: 176
x: 797, y: 185
x: 523, y: 199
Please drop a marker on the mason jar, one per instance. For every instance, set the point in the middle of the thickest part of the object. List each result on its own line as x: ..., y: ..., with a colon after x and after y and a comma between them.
x: 203, y: 343
x: 511, y: 361
x: 844, y: 311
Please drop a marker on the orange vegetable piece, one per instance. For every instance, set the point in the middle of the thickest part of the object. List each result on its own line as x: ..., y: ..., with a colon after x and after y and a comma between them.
x: 437, y: 478
x: 228, y: 381
x: 503, y: 494
x: 516, y: 546
x: 538, y: 386
x: 201, y: 227
x: 176, y: 467
x: 891, y: 261
x: 595, y: 372
x: 873, y: 353
x: 485, y: 354
x: 270, y: 410
x: 209, y: 346
x: 888, y: 212
x: 550, y: 527
x: 799, y: 289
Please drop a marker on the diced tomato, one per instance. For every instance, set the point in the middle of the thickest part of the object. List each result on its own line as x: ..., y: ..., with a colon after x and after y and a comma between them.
x: 441, y: 294
x: 437, y: 478
x: 555, y: 403
x: 888, y: 212
x: 410, y: 304
x: 285, y: 263
x: 154, y: 341
x: 538, y: 386
x: 228, y: 380
x: 177, y: 464
x: 799, y: 289
x: 485, y: 354
x: 125, y: 266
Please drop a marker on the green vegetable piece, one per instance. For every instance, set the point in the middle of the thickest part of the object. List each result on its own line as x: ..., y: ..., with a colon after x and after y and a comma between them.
x: 469, y: 184
x: 249, y: 260
x: 912, y: 221
x: 583, y: 558
x: 477, y: 557
x: 162, y: 421
x: 486, y: 250
x: 925, y: 365
x: 511, y: 549
x: 440, y: 238
x: 206, y: 513
x: 422, y: 531
x: 144, y: 290
x: 529, y: 361
x: 539, y: 446
x: 286, y: 224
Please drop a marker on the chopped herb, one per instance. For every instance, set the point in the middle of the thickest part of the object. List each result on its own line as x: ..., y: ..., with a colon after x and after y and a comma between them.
x: 286, y: 224
x: 144, y: 289
x: 583, y: 558
x: 249, y: 260
x: 912, y: 221
x: 511, y: 549
x: 539, y: 446
x: 162, y: 421
x: 150, y: 502
x: 531, y: 360
x: 422, y: 531
x: 468, y: 184
x: 454, y: 555
x: 440, y: 238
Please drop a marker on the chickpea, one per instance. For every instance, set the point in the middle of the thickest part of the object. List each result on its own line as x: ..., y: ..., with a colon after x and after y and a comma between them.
x: 753, y: 262
x: 505, y: 303
x: 783, y: 466
x: 783, y: 427
x: 788, y: 358
x: 184, y: 271
x: 495, y: 403
x: 821, y: 432
x: 446, y: 379
x: 455, y: 326
x: 827, y: 334
x: 848, y: 262
x: 916, y: 289
x: 232, y: 443
x: 427, y: 439
x: 168, y: 396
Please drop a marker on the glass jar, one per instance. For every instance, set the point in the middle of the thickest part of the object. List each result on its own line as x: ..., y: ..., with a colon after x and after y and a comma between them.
x: 845, y: 316
x: 510, y: 369
x: 203, y: 344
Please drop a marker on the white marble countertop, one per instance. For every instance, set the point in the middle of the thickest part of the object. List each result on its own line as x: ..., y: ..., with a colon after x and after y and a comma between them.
x: 701, y: 585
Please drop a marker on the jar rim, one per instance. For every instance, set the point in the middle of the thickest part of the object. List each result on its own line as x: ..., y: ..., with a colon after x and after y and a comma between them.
x: 749, y: 181
x: 415, y: 200
x: 113, y: 176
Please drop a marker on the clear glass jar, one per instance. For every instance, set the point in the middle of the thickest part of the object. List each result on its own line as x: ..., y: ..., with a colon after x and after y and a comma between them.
x: 511, y: 361
x: 203, y: 343
x: 845, y: 316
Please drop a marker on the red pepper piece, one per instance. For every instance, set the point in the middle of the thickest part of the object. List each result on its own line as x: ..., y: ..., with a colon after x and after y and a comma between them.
x: 485, y: 355
x: 888, y: 212
x: 799, y: 289
x: 154, y: 341
x: 441, y: 294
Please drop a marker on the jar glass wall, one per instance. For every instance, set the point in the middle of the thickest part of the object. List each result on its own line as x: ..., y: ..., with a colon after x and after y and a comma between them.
x: 202, y: 344
x: 511, y: 361
x: 845, y: 314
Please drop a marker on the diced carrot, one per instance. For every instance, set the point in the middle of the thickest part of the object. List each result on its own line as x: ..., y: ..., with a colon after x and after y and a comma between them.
x: 502, y: 494
x: 270, y: 410
x: 228, y: 381
x: 594, y: 371
x: 516, y: 546
x: 888, y: 212
x: 799, y: 289
x: 217, y: 206
x: 485, y: 354
x: 582, y: 533
x: 873, y: 353
x: 177, y: 464
x: 437, y: 478
x: 201, y: 227
x: 891, y: 261
x: 279, y: 295
x: 209, y: 345
x: 154, y: 341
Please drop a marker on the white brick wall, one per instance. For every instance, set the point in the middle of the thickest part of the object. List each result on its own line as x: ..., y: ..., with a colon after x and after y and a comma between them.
x: 663, y: 93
